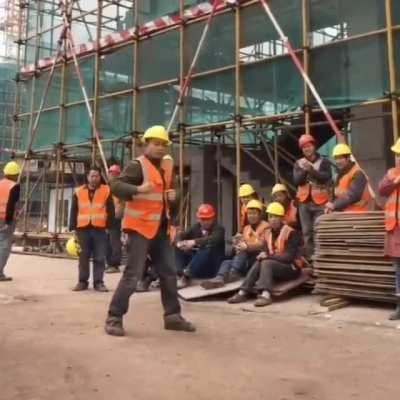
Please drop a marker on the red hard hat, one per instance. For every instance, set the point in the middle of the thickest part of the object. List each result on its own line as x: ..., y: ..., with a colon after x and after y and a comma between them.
x: 306, y: 139
x: 114, y: 170
x: 205, y: 211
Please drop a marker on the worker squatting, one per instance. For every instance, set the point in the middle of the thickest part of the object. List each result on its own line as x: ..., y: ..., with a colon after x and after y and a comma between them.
x: 274, y: 242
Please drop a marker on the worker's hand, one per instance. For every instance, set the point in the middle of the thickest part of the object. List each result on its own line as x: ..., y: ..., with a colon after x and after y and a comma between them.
x: 190, y: 244
x: 241, y: 246
x: 171, y: 195
x: 397, y: 180
x: 329, y: 207
x: 307, y: 166
x: 144, y: 188
x: 262, y: 256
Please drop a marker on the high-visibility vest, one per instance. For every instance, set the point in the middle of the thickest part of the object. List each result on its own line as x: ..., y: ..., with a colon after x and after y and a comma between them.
x: 343, y: 186
x: 279, y: 246
x: 143, y: 213
x: 243, y: 216
x: 392, y: 206
x: 92, y: 212
x: 319, y: 193
x: 253, y: 236
x: 291, y: 214
x: 6, y: 186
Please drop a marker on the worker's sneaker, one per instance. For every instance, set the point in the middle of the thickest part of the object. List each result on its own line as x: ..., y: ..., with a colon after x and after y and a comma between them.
x: 111, y: 270
x: 214, y: 283
x: 262, y: 301
x: 175, y: 322
x: 100, y: 287
x: 184, y: 282
x: 237, y: 298
x: 4, y: 278
x: 114, y: 326
x: 143, y: 285
x: 80, y: 286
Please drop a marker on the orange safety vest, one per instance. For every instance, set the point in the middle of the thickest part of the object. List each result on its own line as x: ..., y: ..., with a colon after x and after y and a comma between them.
x: 143, y: 213
x: 319, y: 193
x: 343, y: 186
x: 392, y: 206
x: 252, y: 236
x: 6, y: 186
x: 291, y: 214
x: 278, y: 246
x: 243, y: 216
x: 92, y: 212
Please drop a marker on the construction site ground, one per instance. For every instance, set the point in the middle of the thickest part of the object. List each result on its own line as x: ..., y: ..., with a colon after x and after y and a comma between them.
x: 52, y: 346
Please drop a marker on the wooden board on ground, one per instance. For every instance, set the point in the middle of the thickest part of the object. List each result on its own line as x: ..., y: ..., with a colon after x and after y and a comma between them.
x: 197, y: 292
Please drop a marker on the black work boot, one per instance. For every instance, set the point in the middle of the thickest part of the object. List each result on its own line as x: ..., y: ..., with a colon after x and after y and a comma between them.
x: 100, y: 287
x: 175, y: 322
x: 114, y: 326
x: 80, y: 286
x: 396, y: 315
x: 214, y: 283
x: 4, y: 278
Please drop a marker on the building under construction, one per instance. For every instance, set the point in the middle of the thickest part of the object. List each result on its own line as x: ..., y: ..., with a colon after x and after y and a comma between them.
x: 88, y: 95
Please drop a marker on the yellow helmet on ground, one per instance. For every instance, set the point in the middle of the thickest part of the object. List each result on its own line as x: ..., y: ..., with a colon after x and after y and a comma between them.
x: 276, y: 208
x: 341, y: 149
x: 278, y: 188
x: 246, y: 190
x: 396, y: 147
x: 255, y: 204
x: 12, y: 168
x: 73, y: 248
x: 156, y: 132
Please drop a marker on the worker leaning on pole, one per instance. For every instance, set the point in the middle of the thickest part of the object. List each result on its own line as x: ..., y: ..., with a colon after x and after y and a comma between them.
x: 312, y: 175
x: 351, y: 191
x: 390, y: 187
x: 146, y: 186
x: 9, y: 196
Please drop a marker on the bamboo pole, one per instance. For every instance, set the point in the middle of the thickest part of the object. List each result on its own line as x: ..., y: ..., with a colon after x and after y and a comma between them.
x: 135, y: 81
x: 306, y: 61
x: 238, y: 119
x: 181, y: 116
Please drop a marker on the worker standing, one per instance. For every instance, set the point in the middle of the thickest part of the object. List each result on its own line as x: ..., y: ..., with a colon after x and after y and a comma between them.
x: 313, y: 177
x: 92, y: 212
x: 281, y: 195
x: 9, y: 196
x: 351, y: 187
x: 114, y: 244
x: 390, y: 187
x: 147, y: 188
x: 246, y: 193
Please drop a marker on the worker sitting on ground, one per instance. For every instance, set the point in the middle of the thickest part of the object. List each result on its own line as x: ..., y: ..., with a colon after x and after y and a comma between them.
x: 390, y: 187
x: 279, y: 262
x: 246, y: 248
x: 246, y: 193
x: 281, y: 195
x: 351, y: 187
x: 200, y: 249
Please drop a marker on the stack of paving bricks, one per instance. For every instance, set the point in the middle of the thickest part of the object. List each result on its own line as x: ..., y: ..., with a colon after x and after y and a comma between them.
x: 349, y: 259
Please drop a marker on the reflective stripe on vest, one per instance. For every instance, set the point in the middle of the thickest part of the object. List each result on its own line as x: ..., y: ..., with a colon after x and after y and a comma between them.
x: 92, y: 212
x: 319, y: 193
x: 6, y: 186
x: 252, y: 236
x: 143, y: 214
x: 343, y: 186
x: 392, y: 206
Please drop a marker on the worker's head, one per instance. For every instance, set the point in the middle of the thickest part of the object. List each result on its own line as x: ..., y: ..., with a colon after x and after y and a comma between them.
x: 12, y: 171
x: 307, y: 145
x: 280, y: 194
x: 205, y: 216
x: 254, y: 211
x: 276, y: 213
x: 342, y: 155
x: 246, y: 193
x: 114, y: 171
x: 156, y: 142
x: 396, y: 150
x: 94, y: 177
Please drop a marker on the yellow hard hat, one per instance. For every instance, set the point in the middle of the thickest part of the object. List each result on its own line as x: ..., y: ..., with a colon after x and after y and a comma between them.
x: 12, y: 168
x: 276, y: 208
x: 254, y: 204
x: 246, y: 190
x: 341, y: 149
x: 396, y: 147
x: 73, y: 248
x: 156, y: 132
x: 278, y: 188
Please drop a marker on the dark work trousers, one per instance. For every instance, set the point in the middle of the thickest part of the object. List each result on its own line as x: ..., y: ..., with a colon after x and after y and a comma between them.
x: 114, y: 247
x: 93, y: 243
x: 239, y: 263
x: 396, y: 265
x: 263, y: 275
x: 202, y: 264
x: 308, y: 213
x: 162, y: 256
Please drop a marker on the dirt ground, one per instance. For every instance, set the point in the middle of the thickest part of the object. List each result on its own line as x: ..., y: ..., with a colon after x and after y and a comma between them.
x: 52, y: 346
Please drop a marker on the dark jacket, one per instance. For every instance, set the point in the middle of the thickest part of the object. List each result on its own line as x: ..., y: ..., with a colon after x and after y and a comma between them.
x: 11, y: 204
x: 214, y: 237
